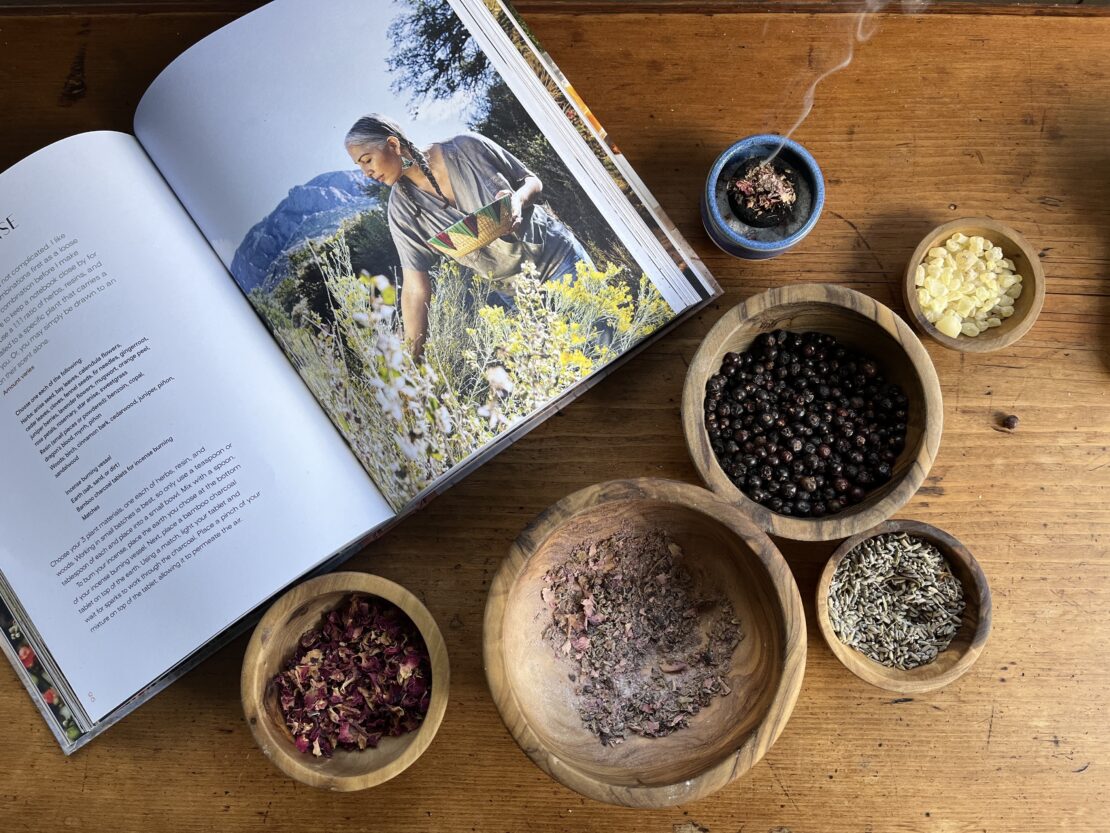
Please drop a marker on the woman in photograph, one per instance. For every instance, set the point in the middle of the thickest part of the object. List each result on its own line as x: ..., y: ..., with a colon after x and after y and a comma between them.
x: 434, y: 188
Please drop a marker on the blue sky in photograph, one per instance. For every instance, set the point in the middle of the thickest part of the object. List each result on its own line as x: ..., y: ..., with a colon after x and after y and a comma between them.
x: 263, y: 105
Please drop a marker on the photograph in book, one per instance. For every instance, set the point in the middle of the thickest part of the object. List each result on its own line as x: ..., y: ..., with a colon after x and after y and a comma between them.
x: 443, y: 275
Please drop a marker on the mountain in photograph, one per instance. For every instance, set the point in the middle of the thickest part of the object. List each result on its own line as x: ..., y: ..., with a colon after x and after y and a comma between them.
x: 310, y: 211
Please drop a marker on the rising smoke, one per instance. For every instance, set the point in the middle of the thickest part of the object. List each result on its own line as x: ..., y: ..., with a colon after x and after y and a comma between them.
x: 866, y: 25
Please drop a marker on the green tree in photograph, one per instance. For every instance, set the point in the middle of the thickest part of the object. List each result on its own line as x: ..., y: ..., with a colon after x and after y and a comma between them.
x: 433, y: 55
x: 371, y: 243
x: 287, y: 295
x: 310, y: 285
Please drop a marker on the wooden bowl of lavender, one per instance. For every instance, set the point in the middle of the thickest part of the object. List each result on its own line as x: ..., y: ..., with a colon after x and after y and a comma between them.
x: 644, y: 642
x: 813, y: 408
x: 904, y: 606
x: 345, y: 681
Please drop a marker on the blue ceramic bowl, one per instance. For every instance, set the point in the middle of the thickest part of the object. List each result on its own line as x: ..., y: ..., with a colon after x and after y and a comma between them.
x: 745, y: 241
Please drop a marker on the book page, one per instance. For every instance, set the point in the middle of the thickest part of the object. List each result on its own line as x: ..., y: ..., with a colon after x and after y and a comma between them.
x: 438, y: 260
x: 164, y: 469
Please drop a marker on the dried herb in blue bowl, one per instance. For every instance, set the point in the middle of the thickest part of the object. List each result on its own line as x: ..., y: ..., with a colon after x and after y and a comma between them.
x: 763, y: 193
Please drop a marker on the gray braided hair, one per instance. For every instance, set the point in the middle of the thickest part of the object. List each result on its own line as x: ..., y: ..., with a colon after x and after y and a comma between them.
x: 375, y: 129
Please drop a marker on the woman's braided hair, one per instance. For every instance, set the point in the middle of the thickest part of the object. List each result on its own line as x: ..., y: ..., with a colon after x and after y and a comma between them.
x: 375, y: 129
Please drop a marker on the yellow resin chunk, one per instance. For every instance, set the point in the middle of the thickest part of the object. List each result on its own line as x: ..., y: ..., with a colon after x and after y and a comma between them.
x: 949, y: 325
x: 966, y: 286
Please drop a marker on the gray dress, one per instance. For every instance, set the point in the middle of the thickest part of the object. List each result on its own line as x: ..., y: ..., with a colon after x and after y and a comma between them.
x: 478, y: 169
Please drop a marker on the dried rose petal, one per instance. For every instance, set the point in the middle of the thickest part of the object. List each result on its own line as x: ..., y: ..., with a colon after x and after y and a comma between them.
x: 364, y: 674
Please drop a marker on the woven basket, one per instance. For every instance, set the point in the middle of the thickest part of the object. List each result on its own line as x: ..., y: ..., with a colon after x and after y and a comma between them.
x: 475, y: 230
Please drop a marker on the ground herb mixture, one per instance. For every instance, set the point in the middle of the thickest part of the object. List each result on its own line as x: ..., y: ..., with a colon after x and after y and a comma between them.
x: 894, y: 599
x: 364, y: 674
x: 648, y: 651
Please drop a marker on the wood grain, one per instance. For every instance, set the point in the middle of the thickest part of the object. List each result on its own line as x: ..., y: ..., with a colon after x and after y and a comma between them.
x: 1022, y: 7
x: 275, y: 641
x: 969, y: 641
x: 725, y: 554
x: 1016, y: 7
x: 1026, y: 263
x: 908, y: 136
x: 859, y: 323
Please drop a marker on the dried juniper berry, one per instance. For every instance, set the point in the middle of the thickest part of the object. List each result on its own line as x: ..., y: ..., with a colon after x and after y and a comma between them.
x: 804, y: 425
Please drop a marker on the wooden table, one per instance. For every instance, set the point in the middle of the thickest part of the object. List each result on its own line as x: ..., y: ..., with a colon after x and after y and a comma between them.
x: 940, y: 115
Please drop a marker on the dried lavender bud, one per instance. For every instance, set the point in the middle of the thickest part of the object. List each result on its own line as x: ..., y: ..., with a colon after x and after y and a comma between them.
x: 649, y: 651
x: 362, y: 675
x: 894, y: 599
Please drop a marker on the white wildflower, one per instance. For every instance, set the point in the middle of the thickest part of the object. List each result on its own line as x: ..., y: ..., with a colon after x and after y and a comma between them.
x: 443, y: 420
x: 499, y: 381
x: 391, y: 403
x: 412, y: 450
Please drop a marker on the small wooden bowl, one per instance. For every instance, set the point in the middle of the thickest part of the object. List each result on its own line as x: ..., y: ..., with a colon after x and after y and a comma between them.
x: 858, y: 322
x: 965, y: 647
x: 725, y: 552
x: 274, y: 642
x: 1027, y: 264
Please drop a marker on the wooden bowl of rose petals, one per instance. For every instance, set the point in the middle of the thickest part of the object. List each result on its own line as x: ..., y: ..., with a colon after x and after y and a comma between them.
x: 345, y: 681
x: 974, y: 285
x: 644, y: 642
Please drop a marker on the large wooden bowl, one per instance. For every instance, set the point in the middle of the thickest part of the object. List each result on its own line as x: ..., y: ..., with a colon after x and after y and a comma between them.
x: 965, y: 647
x: 1027, y: 264
x: 274, y: 641
x: 727, y: 554
x: 856, y: 321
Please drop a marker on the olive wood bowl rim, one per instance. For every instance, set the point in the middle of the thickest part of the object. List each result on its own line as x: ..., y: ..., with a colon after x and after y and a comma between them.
x: 253, y: 689
x: 791, y: 663
x: 989, y: 341
x: 924, y: 678
x: 855, y: 518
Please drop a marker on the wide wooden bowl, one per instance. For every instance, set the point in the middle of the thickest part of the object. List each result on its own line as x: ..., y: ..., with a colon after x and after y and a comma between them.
x: 965, y: 647
x: 725, y: 553
x: 858, y: 322
x: 274, y: 642
x: 1027, y: 264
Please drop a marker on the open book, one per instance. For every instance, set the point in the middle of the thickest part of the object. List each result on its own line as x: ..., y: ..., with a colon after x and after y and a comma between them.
x: 353, y: 249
